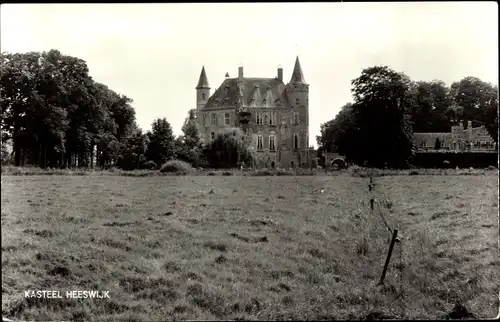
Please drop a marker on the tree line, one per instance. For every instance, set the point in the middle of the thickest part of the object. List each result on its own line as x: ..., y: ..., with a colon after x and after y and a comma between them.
x: 55, y: 115
x: 377, y: 128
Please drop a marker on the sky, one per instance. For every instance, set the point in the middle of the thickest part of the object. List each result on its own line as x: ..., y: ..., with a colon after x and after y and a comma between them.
x: 153, y: 53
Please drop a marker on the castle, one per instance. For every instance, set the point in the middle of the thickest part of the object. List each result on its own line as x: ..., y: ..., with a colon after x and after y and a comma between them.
x: 274, y: 116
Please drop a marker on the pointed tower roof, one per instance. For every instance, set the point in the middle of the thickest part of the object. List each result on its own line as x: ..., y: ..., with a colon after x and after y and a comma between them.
x: 297, y: 75
x: 203, y: 82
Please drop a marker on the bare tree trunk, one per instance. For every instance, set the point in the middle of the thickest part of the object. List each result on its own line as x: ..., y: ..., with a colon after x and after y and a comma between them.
x: 45, y: 155
x: 92, y: 156
x: 39, y: 155
x: 17, y: 154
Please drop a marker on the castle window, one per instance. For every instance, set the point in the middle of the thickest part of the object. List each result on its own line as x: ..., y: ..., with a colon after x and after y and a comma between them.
x: 212, y: 135
x: 265, y: 118
x: 272, y: 118
x: 295, y: 141
x: 272, y: 145
x: 258, y: 115
x: 214, y: 119
x: 297, y: 101
x: 203, y: 95
x: 295, y: 118
x: 259, y: 142
x: 226, y: 119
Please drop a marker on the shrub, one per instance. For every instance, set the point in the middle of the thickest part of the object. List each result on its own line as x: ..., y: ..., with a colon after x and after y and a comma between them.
x: 176, y: 166
x: 284, y: 172
x: 149, y: 165
x: 227, y: 173
x: 263, y: 172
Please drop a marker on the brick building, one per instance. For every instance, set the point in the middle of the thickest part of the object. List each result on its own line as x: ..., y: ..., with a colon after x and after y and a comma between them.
x: 274, y: 115
x: 470, y: 139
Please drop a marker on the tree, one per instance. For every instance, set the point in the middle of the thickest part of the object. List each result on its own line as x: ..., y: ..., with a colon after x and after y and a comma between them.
x: 478, y: 101
x: 382, y: 112
x: 56, y: 115
x: 336, y: 135
x: 229, y: 149
x: 161, y: 147
x: 189, y: 146
x: 132, y: 155
x: 437, y: 145
x: 431, y: 107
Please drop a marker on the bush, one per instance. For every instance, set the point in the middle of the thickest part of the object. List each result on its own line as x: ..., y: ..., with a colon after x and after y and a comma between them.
x: 227, y: 173
x: 284, y: 172
x: 263, y: 172
x: 149, y: 165
x: 176, y: 166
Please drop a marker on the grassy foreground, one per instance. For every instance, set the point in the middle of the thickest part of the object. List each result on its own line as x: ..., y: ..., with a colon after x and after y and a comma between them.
x: 245, y: 247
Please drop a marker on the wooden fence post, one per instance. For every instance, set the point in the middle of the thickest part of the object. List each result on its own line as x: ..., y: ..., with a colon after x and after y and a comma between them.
x: 387, y: 260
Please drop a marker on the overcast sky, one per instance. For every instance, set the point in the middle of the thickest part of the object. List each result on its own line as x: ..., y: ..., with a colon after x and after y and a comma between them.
x: 153, y: 53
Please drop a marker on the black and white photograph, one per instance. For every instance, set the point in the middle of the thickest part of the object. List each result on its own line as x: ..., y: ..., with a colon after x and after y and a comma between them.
x: 230, y: 161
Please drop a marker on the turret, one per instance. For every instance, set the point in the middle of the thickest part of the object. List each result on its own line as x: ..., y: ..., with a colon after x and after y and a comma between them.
x: 202, y: 94
x: 297, y: 92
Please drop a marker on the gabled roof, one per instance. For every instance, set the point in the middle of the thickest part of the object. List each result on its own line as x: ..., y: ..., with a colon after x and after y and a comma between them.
x: 297, y: 75
x: 269, y: 92
x: 203, y: 82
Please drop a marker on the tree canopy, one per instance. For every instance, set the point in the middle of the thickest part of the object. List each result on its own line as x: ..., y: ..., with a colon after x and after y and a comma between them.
x: 388, y: 107
x: 55, y: 114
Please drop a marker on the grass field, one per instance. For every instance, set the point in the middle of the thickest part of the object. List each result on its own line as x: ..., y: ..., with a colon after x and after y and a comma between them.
x: 245, y: 247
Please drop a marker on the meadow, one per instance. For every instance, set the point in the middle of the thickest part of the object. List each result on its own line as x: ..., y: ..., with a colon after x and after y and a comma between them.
x: 250, y: 247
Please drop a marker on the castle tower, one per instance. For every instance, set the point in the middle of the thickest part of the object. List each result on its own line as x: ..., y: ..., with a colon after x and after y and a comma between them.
x: 202, y: 95
x: 297, y: 92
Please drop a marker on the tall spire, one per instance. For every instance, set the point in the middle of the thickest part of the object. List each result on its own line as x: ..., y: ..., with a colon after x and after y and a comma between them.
x: 297, y: 75
x: 203, y: 82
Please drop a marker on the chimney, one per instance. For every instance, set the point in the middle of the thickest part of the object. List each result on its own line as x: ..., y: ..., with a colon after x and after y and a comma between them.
x: 240, y: 73
x: 280, y: 74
